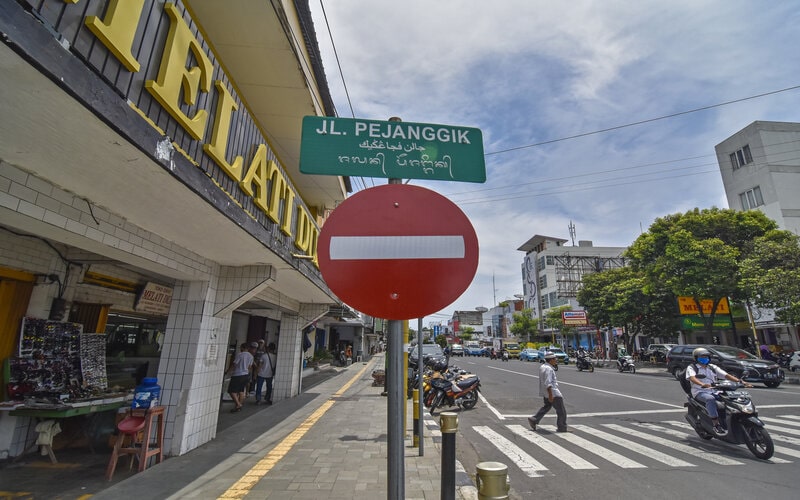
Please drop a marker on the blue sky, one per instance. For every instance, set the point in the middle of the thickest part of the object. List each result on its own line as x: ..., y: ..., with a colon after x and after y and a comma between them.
x: 531, y: 71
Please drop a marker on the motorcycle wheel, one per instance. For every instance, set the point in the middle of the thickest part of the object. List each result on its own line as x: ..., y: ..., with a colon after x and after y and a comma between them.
x: 619, y: 368
x: 437, y: 401
x: 758, y: 442
x: 591, y: 367
x: 470, y: 400
x: 633, y: 369
x: 579, y: 367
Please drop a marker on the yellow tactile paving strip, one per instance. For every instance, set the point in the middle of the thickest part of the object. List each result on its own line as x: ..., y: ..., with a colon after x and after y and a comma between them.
x: 246, y: 483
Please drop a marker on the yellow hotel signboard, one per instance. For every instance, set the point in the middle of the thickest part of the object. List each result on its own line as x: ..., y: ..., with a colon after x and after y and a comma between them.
x: 687, y: 305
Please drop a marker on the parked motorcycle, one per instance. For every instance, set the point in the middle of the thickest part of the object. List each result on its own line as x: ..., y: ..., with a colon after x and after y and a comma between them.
x: 462, y: 392
x: 626, y: 364
x: 584, y: 362
x: 738, y: 415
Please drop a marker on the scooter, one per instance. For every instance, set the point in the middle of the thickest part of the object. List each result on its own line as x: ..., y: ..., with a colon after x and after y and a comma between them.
x: 505, y: 355
x: 626, y: 364
x: 738, y: 415
x: 584, y: 362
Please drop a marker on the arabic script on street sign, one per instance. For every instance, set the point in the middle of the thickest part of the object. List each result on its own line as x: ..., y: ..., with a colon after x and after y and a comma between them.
x: 391, y: 149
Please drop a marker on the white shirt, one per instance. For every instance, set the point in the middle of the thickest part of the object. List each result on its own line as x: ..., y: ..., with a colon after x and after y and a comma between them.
x: 711, y: 372
x: 547, y: 378
x: 241, y: 364
x: 266, y: 367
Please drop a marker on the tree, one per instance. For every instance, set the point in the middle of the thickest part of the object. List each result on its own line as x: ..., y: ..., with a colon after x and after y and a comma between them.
x: 554, y: 321
x: 523, y: 325
x: 617, y: 297
x: 771, y: 274
x: 698, y: 254
x: 441, y: 339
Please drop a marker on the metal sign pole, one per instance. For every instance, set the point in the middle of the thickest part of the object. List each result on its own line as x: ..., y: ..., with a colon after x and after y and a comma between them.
x: 420, y: 392
x: 394, y: 424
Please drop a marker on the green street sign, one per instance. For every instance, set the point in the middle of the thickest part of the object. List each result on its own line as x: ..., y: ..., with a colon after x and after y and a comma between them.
x: 399, y: 150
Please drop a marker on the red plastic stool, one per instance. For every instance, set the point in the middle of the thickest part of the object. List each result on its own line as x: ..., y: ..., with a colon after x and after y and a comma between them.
x: 138, y: 421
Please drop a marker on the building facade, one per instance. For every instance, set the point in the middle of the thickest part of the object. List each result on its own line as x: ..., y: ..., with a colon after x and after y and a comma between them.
x: 150, y: 191
x: 760, y: 168
x: 552, y: 273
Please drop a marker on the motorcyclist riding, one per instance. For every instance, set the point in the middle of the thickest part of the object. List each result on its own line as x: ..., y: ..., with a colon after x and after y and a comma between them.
x: 702, y: 390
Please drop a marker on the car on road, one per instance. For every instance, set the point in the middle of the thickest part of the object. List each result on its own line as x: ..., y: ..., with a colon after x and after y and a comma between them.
x: 658, y: 351
x: 731, y: 359
x: 529, y: 354
x: 456, y: 350
x: 561, y: 356
x: 474, y: 349
x: 428, y: 350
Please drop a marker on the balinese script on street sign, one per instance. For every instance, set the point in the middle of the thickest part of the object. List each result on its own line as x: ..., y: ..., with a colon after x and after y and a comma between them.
x: 577, y: 318
x: 391, y: 149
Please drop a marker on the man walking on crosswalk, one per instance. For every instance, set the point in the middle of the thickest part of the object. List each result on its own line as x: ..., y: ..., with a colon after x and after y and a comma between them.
x: 548, y: 389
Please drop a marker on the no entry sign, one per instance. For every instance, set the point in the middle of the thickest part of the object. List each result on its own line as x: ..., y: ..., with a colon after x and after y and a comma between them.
x: 398, y: 251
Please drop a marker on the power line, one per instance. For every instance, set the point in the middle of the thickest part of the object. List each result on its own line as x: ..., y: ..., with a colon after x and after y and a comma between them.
x: 650, y: 120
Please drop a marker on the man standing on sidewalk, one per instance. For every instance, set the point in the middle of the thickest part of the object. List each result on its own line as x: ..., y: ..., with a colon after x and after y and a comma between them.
x: 548, y: 389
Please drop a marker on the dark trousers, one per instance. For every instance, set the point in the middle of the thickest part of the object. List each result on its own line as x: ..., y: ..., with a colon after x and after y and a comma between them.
x: 561, y: 412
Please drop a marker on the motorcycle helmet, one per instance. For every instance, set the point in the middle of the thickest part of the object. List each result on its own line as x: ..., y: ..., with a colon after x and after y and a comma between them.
x: 440, y: 365
x: 702, y: 355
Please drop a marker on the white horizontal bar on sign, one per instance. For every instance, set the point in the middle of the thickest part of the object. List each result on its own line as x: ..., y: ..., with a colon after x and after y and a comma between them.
x: 396, y: 247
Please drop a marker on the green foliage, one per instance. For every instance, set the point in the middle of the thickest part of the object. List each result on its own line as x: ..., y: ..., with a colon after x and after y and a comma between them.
x: 441, y: 339
x: 523, y: 326
x: 771, y: 274
x: 698, y: 254
x: 322, y: 355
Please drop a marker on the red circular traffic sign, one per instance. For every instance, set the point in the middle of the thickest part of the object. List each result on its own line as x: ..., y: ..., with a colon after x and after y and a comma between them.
x: 398, y: 251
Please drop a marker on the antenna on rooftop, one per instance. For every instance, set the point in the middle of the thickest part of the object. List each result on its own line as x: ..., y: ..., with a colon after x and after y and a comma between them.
x: 572, y: 232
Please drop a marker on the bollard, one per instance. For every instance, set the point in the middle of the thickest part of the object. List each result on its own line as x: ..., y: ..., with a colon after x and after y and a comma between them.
x: 415, y: 398
x: 449, y: 426
x: 492, y: 481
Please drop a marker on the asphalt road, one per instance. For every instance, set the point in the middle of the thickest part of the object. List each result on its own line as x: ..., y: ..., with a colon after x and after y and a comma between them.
x: 629, y: 438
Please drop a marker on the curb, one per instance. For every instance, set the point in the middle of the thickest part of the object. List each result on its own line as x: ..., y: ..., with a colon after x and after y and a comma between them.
x: 791, y: 377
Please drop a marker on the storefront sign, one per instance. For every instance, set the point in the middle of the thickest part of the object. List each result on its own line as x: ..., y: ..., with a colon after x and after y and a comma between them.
x: 574, y: 318
x: 687, y: 305
x: 697, y: 323
x: 207, y: 109
x: 154, y: 299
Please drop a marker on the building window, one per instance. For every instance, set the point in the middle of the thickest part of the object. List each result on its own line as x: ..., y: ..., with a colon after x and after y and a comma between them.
x: 542, y: 282
x: 751, y: 198
x: 540, y: 263
x: 550, y: 260
x: 741, y: 157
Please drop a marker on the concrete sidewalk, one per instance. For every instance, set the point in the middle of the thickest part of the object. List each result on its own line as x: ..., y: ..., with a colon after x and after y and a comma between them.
x: 332, y: 446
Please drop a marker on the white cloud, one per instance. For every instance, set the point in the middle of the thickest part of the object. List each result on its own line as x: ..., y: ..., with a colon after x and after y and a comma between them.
x: 532, y: 71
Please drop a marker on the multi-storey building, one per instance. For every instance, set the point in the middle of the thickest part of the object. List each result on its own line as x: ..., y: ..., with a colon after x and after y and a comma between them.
x: 552, y: 273
x: 760, y: 168
x: 150, y: 189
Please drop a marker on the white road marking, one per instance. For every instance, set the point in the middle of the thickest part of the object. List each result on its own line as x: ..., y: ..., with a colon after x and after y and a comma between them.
x: 529, y: 465
x: 778, y: 428
x: 635, y: 447
x: 780, y: 421
x: 396, y: 247
x: 612, y: 456
x: 711, y: 457
x: 552, y: 448
x: 683, y: 425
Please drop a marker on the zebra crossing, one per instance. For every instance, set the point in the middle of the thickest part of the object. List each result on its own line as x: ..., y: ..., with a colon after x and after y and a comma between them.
x: 634, y: 445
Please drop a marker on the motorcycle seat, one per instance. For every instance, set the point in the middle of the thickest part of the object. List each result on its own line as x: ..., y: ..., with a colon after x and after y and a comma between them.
x: 467, y: 382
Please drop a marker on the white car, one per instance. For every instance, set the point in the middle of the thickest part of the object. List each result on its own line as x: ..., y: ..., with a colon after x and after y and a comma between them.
x: 456, y: 350
x: 794, y: 361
